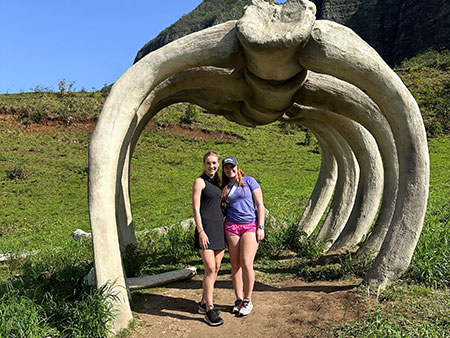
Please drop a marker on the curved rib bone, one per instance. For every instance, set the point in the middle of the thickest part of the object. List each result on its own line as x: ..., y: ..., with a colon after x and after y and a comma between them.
x: 336, y: 50
x: 370, y: 182
x: 370, y: 179
x: 348, y: 174
x: 217, y: 46
x: 323, y: 189
x: 328, y: 93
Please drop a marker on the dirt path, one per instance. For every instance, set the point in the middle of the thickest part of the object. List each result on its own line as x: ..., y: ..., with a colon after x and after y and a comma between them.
x: 284, y: 309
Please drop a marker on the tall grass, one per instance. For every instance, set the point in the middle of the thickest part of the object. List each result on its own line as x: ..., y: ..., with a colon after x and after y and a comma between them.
x: 409, y: 311
x: 48, y: 298
x: 431, y: 260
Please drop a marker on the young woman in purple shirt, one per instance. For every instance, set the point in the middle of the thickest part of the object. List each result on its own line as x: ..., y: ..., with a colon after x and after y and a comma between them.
x: 244, y: 229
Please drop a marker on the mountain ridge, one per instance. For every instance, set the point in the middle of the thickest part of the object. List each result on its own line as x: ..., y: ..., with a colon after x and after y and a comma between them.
x: 397, y: 29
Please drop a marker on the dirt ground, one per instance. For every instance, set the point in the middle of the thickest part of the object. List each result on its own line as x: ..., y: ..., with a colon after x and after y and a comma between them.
x: 290, y: 308
x: 193, y: 132
x: 47, y: 127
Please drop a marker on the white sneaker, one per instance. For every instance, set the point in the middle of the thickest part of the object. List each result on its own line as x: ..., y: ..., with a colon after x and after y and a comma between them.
x: 246, y: 307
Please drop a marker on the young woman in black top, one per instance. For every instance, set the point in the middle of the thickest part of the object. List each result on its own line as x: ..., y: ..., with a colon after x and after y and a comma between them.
x: 209, y: 232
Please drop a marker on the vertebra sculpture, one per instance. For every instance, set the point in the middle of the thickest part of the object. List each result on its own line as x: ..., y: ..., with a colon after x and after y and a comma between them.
x: 277, y: 62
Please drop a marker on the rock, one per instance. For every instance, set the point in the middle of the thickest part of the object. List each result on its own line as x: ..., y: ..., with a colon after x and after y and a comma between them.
x: 79, y: 235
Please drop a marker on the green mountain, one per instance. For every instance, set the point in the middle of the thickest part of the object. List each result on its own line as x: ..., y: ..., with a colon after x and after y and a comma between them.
x: 397, y: 29
x: 207, y: 14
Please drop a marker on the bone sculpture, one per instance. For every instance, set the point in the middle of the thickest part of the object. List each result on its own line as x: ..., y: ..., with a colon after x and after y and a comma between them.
x: 277, y: 62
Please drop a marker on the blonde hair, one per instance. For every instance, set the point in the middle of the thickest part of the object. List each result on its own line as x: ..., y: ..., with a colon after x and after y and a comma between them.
x: 212, y: 153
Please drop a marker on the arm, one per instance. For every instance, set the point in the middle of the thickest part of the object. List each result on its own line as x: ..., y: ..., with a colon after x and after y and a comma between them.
x: 258, y: 198
x: 199, y: 185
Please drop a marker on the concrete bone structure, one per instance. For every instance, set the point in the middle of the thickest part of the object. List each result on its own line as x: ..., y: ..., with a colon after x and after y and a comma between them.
x: 369, y: 186
x: 277, y: 62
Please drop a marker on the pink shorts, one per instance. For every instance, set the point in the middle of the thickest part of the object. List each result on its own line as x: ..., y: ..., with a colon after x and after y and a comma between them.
x: 236, y: 229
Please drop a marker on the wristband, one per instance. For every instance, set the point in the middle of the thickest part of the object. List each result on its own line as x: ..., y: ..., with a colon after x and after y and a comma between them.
x: 199, y: 232
x: 261, y: 227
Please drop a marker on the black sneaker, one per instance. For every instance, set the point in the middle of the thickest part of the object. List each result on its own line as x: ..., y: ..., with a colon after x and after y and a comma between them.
x: 237, y: 306
x: 202, y: 308
x: 212, y: 318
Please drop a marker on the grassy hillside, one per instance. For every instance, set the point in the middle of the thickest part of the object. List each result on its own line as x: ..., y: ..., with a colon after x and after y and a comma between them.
x: 427, y: 76
x: 64, y: 106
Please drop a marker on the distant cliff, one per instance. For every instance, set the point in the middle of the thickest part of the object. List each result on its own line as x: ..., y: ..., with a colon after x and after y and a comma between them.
x: 207, y: 14
x: 397, y: 29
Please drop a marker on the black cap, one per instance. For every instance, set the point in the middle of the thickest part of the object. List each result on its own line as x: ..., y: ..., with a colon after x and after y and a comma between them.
x: 230, y: 160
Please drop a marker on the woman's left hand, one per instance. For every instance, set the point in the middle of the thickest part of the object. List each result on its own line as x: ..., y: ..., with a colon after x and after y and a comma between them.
x: 259, y: 235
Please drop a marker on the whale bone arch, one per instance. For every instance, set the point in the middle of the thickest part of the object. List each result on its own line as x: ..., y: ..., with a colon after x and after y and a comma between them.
x: 256, y: 71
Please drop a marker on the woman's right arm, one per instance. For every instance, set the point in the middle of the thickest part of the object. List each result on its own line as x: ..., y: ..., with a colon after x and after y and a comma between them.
x: 199, y: 185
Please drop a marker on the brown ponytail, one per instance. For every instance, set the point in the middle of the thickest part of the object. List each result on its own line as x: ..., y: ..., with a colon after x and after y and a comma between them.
x: 226, y: 181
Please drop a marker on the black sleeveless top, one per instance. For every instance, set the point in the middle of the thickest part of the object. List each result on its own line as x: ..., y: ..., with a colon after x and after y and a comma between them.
x: 211, y: 214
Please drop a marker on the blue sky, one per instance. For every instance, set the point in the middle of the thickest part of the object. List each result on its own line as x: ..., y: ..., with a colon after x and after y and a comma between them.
x: 89, y: 42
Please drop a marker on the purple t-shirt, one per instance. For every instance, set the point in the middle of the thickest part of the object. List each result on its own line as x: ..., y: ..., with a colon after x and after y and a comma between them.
x: 241, y: 208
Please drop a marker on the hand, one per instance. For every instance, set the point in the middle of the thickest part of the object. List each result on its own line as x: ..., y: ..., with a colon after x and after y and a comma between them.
x: 203, y: 240
x: 259, y: 235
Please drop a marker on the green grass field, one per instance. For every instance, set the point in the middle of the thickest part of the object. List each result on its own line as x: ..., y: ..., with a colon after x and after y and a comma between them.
x: 44, y: 177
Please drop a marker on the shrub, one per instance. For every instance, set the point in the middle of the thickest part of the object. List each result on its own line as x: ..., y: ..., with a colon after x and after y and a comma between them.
x: 17, y: 172
x: 134, y: 261
x: 309, y: 248
x: 176, y: 246
x: 321, y: 272
x: 181, y: 242
x: 443, y: 115
x: 191, y: 114
x: 288, y: 128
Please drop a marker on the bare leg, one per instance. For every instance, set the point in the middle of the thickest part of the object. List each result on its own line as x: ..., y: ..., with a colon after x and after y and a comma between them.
x: 236, y: 271
x: 211, y: 262
x: 248, y: 247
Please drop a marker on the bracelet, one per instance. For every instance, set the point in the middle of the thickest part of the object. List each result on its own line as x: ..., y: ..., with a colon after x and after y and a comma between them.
x: 199, y: 232
x: 261, y: 227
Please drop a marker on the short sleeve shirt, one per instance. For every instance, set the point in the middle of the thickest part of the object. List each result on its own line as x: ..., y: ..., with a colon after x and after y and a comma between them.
x: 241, y: 208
